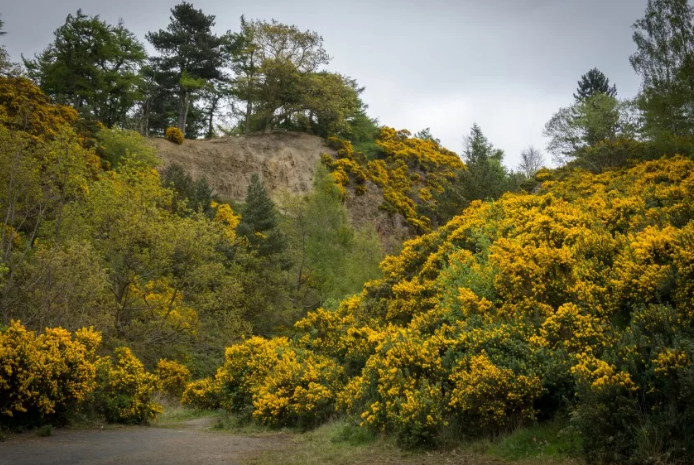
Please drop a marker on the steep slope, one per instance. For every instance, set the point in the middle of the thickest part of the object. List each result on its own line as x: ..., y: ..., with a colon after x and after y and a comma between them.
x: 579, y: 298
x: 286, y: 162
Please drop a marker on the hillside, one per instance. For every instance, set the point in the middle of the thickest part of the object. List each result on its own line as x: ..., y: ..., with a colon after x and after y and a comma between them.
x: 286, y: 163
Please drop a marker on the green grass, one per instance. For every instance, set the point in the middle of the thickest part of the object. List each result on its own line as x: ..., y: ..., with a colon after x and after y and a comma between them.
x: 554, y: 440
x: 174, y: 414
x: 343, y: 443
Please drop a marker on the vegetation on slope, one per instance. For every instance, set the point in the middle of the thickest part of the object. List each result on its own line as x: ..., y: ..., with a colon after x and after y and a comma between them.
x: 577, y: 299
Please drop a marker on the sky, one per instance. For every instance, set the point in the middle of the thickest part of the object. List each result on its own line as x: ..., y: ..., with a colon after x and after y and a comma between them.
x: 507, y: 65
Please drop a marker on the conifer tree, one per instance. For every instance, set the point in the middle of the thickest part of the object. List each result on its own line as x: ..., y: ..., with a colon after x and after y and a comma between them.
x: 191, y: 56
x: 259, y: 222
x: 92, y: 66
x: 485, y: 177
x: 592, y: 83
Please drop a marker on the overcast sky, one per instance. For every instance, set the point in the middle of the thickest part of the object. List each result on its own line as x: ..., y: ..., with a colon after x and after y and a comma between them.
x: 506, y: 64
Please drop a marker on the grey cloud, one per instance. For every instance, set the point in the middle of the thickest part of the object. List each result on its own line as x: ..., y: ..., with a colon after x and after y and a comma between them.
x: 506, y: 64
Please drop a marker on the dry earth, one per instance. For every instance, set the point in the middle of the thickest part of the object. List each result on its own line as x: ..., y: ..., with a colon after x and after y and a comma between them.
x: 286, y: 162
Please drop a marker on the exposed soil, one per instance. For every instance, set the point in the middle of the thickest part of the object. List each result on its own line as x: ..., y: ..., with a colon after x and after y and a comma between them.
x: 286, y: 163
x: 186, y: 443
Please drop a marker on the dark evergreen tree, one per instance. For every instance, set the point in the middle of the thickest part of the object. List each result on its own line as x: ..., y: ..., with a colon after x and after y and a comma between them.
x: 92, y: 66
x: 196, y: 194
x: 485, y: 176
x: 259, y: 222
x: 592, y: 83
x: 191, y: 57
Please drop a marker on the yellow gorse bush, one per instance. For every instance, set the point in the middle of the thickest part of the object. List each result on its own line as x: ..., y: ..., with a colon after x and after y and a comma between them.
x: 575, y: 297
x: 124, y: 390
x: 173, y: 377
x: 174, y: 135
x: 283, y: 384
x: 42, y: 376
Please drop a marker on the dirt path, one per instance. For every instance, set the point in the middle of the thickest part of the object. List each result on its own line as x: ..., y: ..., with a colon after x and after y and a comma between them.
x: 187, y: 443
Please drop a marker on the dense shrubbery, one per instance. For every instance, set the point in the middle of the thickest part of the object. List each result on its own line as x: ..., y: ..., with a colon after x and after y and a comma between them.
x: 576, y: 299
x: 124, y: 389
x: 42, y: 377
x: 412, y: 172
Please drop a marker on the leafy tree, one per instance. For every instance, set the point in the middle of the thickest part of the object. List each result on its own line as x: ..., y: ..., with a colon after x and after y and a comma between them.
x: 531, y: 161
x: 7, y: 67
x: 592, y: 83
x: 485, y: 176
x: 92, y: 66
x: 259, y: 222
x: 332, y: 259
x: 665, y: 60
x: 601, y: 117
x: 190, y: 57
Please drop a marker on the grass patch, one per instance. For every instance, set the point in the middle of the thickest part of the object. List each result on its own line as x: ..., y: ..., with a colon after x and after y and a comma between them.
x: 342, y: 442
x: 174, y: 414
x: 44, y: 431
x: 554, y: 440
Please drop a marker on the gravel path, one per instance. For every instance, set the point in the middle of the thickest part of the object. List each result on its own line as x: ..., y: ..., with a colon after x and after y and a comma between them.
x: 186, y: 444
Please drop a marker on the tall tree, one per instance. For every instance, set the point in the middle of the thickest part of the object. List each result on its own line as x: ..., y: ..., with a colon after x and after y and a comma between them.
x: 272, y: 62
x: 190, y: 56
x: 531, y: 161
x: 665, y: 60
x: 485, y: 176
x: 573, y: 129
x: 592, y: 83
x: 92, y: 66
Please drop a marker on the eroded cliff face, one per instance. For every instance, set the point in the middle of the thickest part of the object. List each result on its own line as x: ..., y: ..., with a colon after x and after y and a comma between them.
x: 286, y: 162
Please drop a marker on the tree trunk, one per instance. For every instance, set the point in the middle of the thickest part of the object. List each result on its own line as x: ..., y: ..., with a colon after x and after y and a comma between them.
x: 182, y: 110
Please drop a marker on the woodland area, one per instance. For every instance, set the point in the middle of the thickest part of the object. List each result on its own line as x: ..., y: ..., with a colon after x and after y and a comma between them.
x: 525, y: 297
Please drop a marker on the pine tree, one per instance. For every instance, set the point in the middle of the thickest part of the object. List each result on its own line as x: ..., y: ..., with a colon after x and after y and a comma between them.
x: 592, y: 83
x: 259, y: 222
x: 190, y: 56
x: 485, y: 176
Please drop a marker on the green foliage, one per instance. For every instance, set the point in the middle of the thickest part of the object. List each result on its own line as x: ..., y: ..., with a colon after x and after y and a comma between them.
x: 572, y: 130
x: 332, y: 259
x: 554, y: 440
x: 592, y: 83
x: 485, y: 176
x: 259, y: 223
x: 664, y: 58
x: 190, y: 56
x: 92, y: 66
x: 117, y: 144
x: 195, y: 195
